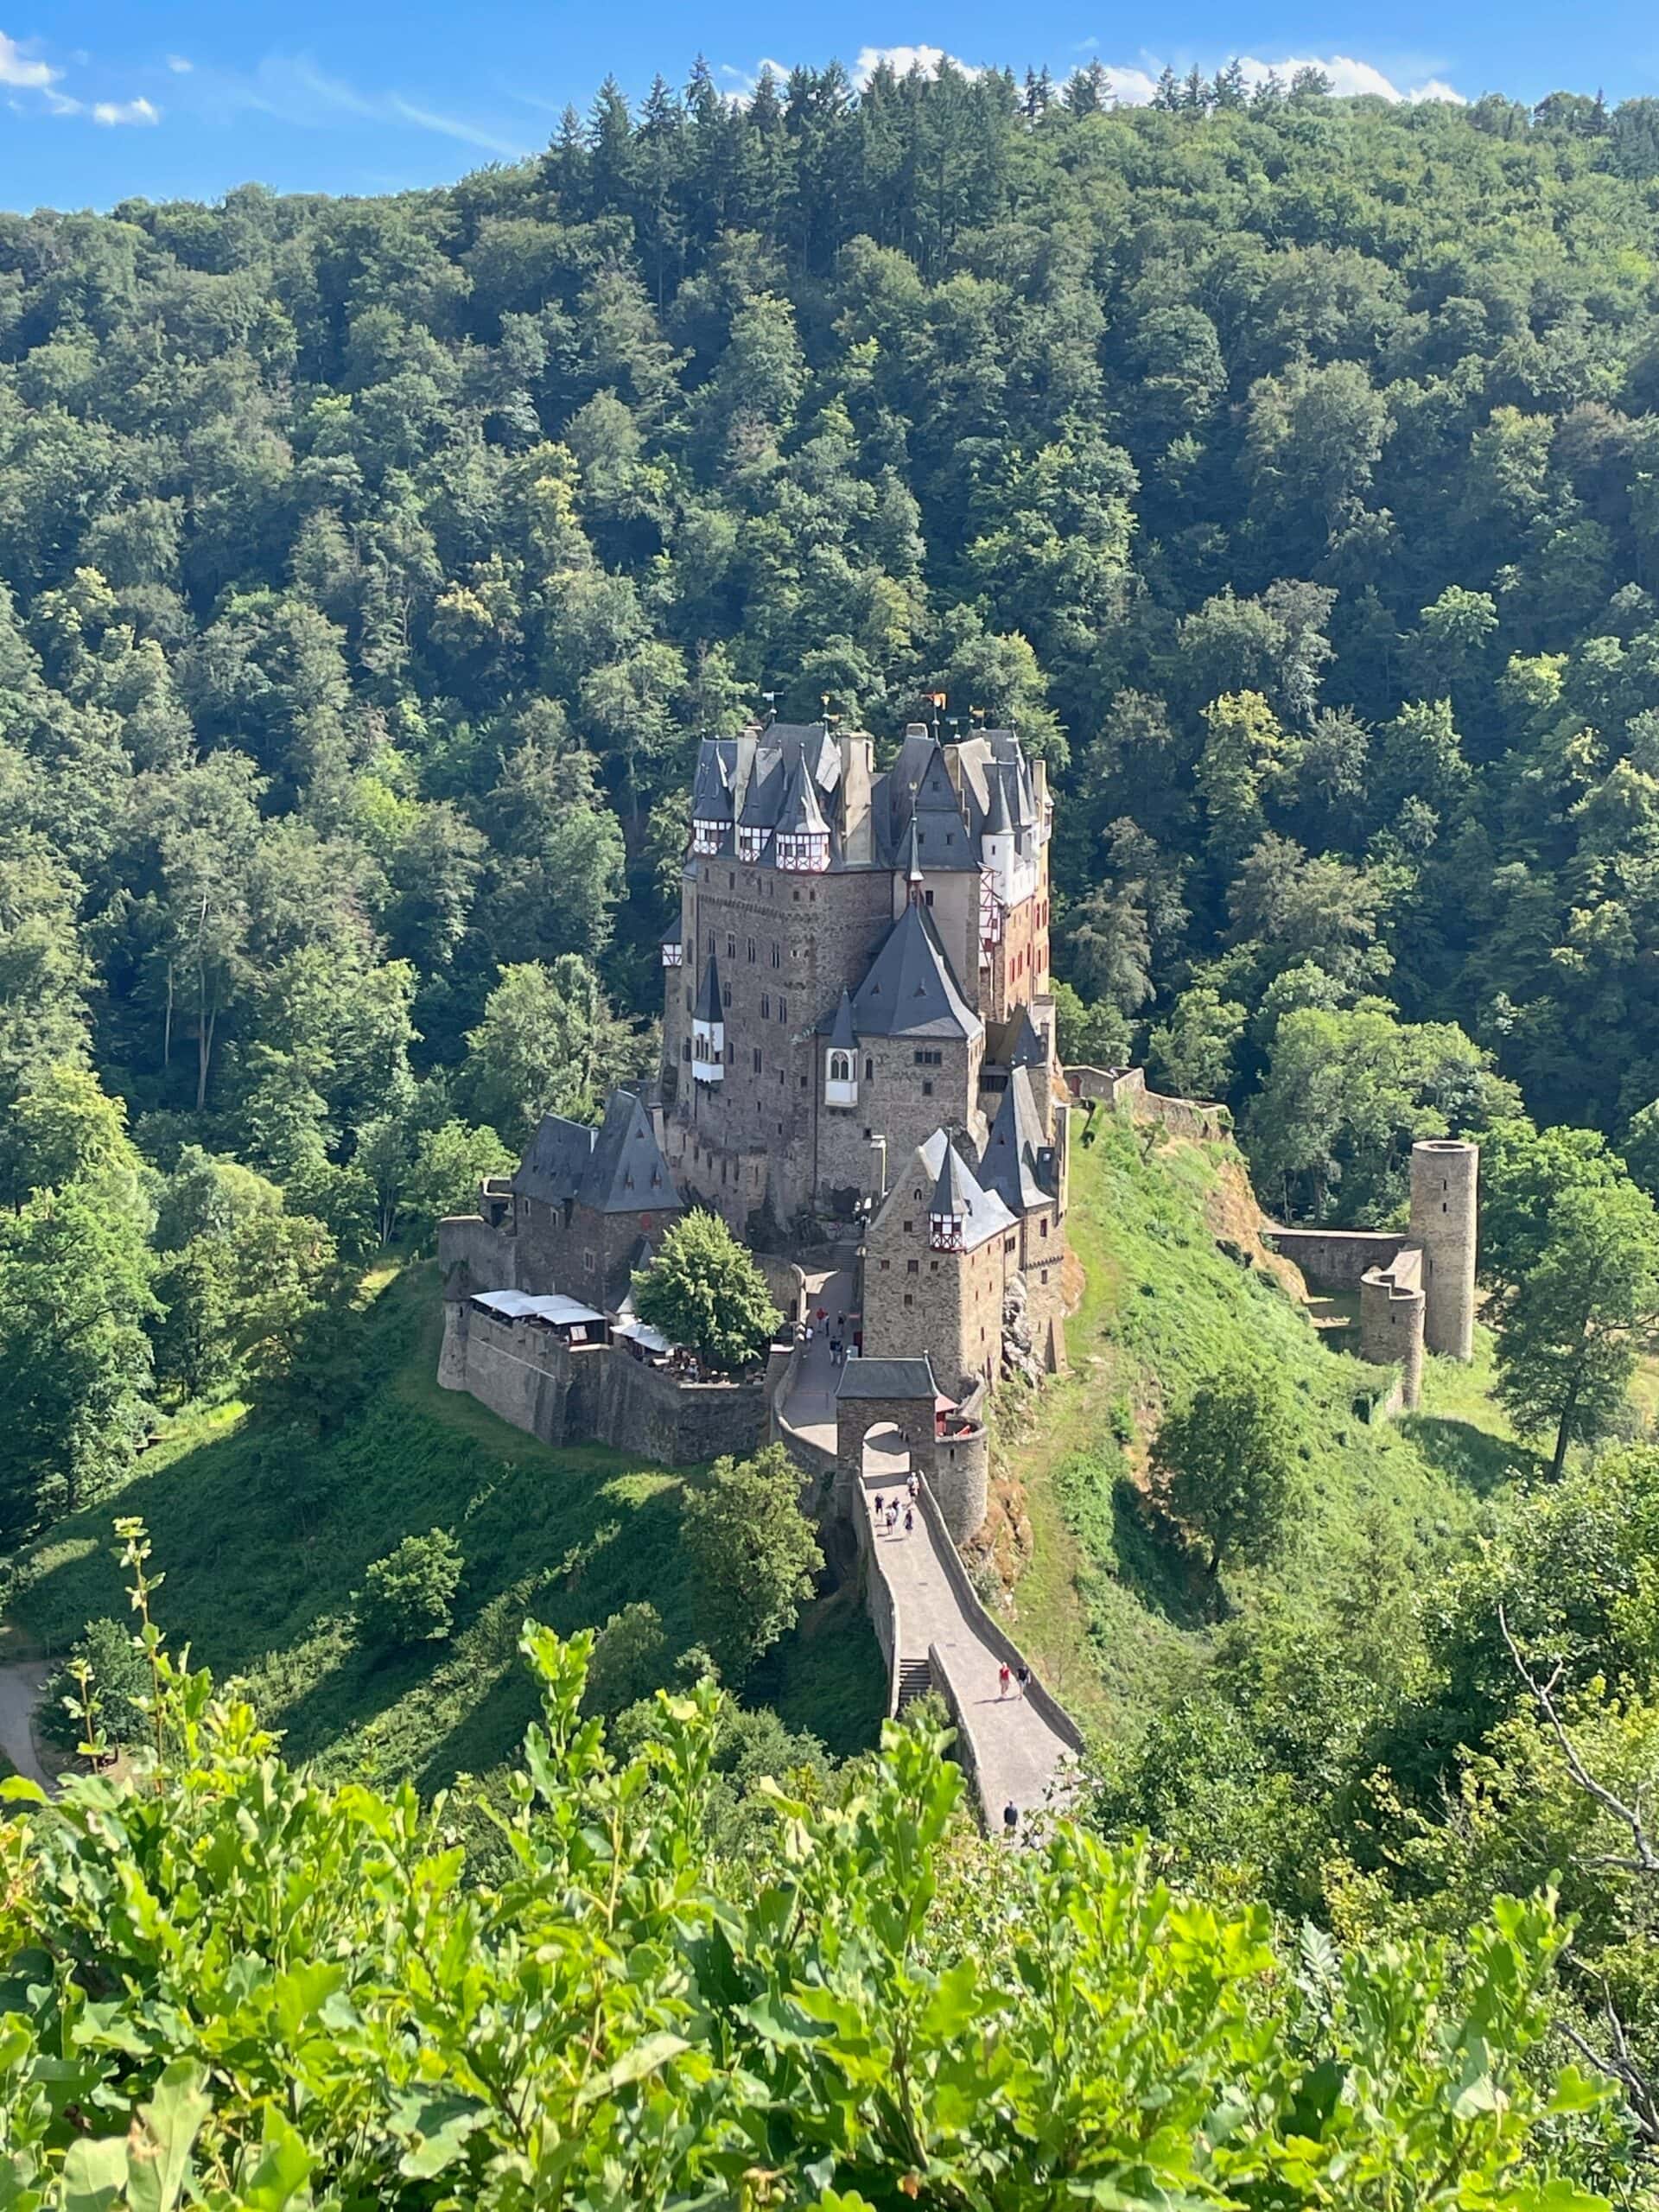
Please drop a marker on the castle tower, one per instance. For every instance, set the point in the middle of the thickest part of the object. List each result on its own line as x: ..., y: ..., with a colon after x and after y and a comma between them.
x: 1445, y: 1176
x: 709, y: 1028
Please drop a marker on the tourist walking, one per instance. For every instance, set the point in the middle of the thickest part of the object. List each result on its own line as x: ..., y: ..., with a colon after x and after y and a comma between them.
x: 1003, y: 1678
x: 914, y: 1486
x: 880, y: 1506
x: 910, y: 1520
x: 1010, y: 1819
x: 1022, y: 1675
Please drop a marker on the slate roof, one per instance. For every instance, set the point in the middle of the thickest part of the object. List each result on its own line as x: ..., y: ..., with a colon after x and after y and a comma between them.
x: 909, y: 990
x: 707, y: 1007
x: 843, y: 1038
x: 1011, y: 1162
x: 1026, y: 1048
x: 939, y: 1169
x: 887, y: 1378
x: 616, y: 1168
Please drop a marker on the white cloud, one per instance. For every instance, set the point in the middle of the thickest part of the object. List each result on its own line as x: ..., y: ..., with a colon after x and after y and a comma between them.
x: 294, y: 89
x: 180, y: 64
x: 1349, y: 78
x: 901, y: 60
x: 1134, y: 87
x: 17, y: 67
x: 114, y: 111
x: 451, y: 126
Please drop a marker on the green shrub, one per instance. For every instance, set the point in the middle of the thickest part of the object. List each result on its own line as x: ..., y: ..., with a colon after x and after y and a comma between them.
x: 408, y: 1597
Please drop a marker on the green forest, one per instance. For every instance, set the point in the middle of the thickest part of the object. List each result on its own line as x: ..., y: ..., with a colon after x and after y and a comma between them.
x: 1283, y: 468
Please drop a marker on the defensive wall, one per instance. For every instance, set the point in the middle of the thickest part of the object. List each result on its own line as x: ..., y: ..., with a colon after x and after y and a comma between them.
x: 565, y: 1393
x: 1125, y: 1091
x: 1417, y: 1286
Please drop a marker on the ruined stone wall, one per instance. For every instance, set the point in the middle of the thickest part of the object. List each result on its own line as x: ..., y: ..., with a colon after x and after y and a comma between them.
x: 1335, y: 1259
x: 1391, y: 1321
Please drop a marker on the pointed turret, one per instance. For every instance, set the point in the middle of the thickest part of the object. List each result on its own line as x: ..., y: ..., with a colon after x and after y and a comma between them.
x: 709, y: 1028
x: 1017, y: 1149
x: 801, y: 841
x: 840, y: 1059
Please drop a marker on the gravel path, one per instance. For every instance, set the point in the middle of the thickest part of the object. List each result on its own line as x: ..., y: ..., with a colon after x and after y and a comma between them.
x: 21, y: 1683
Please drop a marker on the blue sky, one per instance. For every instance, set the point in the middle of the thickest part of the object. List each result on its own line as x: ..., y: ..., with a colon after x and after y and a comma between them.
x: 180, y: 99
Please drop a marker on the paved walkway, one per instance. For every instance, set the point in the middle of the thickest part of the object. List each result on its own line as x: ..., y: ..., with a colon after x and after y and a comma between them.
x: 1019, y: 1756
x: 21, y: 1683
x: 811, y: 1408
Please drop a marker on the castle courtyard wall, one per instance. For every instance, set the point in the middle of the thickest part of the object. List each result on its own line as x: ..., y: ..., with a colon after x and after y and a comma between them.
x: 598, y: 1394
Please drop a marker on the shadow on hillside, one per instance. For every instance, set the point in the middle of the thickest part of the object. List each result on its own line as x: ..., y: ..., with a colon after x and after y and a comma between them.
x: 262, y: 1545
x: 1472, y: 1458
x: 1153, y: 1562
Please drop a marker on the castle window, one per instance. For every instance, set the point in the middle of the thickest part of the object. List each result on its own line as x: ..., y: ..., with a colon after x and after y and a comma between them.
x: 766, y: 1007
x: 1042, y: 1226
x: 731, y: 878
x: 731, y: 1056
x: 776, y: 956
x: 726, y: 995
x: 1008, y: 1243
x: 932, y: 1267
x: 909, y: 1300
x: 886, y: 1264
x: 916, y: 1195
x: 731, y: 946
x: 1043, y: 1274
x: 909, y: 1226
x: 869, y: 1069
x: 590, y: 1261
x: 798, y: 894
x: 840, y: 1067
x: 912, y: 1266
x: 755, y: 1057
x: 687, y: 1001
x: 928, y: 895
x: 927, y: 1090
x: 782, y: 1009
x: 750, y: 951
x: 685, y: 1050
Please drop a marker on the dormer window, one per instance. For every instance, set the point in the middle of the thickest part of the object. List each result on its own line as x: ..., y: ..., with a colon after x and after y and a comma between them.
x: 706, y: 836
x: 944, y: 1232
x: 751, y: 844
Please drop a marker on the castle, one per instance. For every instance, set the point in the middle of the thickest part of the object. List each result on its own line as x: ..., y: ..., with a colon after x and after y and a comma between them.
x: 857, y: 1024
x: 858, y: 1041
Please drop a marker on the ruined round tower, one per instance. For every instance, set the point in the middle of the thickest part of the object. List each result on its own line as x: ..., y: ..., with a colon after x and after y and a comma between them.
x: 1445, y: 1175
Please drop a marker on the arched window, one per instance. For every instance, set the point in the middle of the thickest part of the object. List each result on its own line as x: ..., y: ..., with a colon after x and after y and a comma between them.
x: 840, y: 1067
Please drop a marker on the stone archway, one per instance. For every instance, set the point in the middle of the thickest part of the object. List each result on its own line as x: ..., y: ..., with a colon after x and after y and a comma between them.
x: 883, y: 1394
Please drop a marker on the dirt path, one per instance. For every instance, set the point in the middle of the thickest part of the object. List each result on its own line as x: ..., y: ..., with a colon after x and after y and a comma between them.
x: 21, y: 1683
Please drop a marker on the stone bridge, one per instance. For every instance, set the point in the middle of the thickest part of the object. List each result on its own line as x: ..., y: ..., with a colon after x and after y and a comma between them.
x: 872, y: 1423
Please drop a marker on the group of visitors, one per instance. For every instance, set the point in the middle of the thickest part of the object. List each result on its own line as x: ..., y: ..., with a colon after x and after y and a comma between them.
x: 887, y: 1508
x: 1007, y: 1677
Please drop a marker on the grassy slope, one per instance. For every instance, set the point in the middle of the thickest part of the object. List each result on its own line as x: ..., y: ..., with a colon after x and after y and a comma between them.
x: 259, y: 1580
x: 1114, y: 1610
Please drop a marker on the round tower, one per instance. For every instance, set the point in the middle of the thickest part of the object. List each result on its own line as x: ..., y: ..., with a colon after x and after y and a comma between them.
x: 1444, y: 1220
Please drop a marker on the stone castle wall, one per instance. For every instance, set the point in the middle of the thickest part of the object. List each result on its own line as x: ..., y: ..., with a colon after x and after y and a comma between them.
x: 473, y: 1256
x: 1336, y: 1259
x: 597, y: 1393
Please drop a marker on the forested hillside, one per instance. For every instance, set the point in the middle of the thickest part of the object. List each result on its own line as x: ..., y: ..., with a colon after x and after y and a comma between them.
x: 1281, y: 468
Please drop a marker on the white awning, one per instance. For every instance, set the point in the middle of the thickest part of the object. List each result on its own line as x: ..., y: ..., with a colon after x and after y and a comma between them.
x: 520, y: 1306
x: 642, y: 1334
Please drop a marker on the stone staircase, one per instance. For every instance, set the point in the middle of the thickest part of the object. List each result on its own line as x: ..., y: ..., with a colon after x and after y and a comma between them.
x: 915, y: 1679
